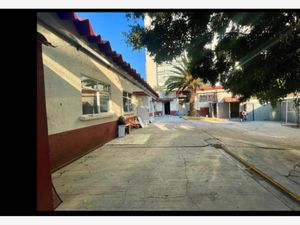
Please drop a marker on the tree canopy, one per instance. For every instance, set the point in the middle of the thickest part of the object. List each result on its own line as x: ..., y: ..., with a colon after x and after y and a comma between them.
x: 250, y: 53
x: 182, y: 79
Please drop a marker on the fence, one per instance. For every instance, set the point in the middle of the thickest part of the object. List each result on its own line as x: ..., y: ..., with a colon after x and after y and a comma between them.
x: 289, y: 113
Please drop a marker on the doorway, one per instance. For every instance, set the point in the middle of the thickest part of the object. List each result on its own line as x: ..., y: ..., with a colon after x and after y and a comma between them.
x: 167, y: 108
x: 234, y: 109
x: 214, y: 109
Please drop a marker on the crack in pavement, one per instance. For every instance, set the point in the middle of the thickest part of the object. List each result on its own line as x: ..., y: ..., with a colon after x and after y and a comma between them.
x: 165, y: 197
x: 124, y: 197
x: 187, y: 183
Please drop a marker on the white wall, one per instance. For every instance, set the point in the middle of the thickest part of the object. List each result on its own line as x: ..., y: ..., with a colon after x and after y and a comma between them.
x: 184, y: 108
x: 262, y: 112
x: 174, y: 105
x: 63, y: 68
x: 151, y: 105
x: 223, y: 110
x: 199, y: 104
x: 142, y: 108
x: 158, y: 106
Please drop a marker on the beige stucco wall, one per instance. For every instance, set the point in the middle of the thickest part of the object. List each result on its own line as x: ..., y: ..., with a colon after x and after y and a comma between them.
x: 221, y: 94
x: 63, y: 68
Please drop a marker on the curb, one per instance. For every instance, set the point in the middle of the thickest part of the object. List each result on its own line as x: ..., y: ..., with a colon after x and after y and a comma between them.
x: 259, y: 172
x: 204, y: 118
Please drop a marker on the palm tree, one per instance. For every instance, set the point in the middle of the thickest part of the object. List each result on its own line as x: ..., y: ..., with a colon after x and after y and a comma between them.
x: 184, y: 81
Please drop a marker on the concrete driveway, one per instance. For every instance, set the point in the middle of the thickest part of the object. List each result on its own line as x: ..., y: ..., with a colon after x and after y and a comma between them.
x: 273, y: 148
x: 168, y: 165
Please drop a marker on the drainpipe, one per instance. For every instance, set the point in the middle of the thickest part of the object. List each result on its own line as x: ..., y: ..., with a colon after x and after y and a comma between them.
x: 229, y: 111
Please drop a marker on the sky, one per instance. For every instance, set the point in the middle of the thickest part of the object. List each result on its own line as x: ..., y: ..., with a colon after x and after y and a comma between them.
x: 110, y: 26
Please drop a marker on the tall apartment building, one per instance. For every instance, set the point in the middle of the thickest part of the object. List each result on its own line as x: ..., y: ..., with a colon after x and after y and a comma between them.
x: 156, y: 76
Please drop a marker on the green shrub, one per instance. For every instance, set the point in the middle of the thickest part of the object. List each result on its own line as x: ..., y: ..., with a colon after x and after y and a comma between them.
x: 121, y: 120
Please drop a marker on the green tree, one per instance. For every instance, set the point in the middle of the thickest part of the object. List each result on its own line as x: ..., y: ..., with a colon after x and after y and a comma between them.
x: 256, y: 54
x: 259, y: 55
x: 184, y: 81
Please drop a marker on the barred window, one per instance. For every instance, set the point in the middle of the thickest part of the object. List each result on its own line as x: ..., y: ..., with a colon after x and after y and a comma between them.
x: 127, y: 102
x: 95, y: 96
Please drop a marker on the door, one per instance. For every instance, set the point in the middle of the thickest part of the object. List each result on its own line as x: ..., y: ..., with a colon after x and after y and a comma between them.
x: 234, y: 109
x: 167, y: 108
x: 214, y: 110
x: 204, y: 111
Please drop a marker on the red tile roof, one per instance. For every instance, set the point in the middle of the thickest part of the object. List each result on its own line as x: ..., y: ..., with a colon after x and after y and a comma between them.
x: 206, y: 88
x: 84, y: 28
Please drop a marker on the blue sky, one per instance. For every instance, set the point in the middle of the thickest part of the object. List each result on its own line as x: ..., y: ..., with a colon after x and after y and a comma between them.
x: 110, y: 26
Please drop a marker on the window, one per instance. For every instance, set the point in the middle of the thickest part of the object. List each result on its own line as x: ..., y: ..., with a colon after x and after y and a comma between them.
x: 95, y: 96
x: 203, y: 98
x: 127, y: 104
x: 212, y: 98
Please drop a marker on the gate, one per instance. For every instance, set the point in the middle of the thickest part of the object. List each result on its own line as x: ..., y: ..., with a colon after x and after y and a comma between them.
x: 290, y: 113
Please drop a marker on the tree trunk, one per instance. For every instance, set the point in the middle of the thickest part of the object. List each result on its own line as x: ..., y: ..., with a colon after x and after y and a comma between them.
x: 192, y: 103
x: 298, y: 115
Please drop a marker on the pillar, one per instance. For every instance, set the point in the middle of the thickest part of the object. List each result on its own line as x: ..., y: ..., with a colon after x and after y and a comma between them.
x: 44, y: 182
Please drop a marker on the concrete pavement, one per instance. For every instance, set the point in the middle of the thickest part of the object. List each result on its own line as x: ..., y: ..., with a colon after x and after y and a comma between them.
x: 271, y: 147
x: 169, y: 165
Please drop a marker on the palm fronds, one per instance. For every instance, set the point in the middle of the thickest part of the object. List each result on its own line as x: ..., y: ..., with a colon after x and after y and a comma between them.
x: 182, y: 78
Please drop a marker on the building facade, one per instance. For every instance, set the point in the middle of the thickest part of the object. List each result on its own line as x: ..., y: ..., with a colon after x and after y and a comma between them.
x: 156, y: 75
x: 217, y: 102
x: 87, y: 86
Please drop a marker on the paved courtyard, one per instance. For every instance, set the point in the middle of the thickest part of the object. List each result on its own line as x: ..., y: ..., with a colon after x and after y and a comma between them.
x: 169, y: 165
x: 270, y: 146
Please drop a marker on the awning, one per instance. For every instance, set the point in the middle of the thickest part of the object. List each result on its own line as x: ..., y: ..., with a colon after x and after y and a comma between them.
x: 231, y: 99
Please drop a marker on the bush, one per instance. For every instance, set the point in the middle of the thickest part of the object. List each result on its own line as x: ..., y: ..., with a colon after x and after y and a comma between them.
x: 121, y: 120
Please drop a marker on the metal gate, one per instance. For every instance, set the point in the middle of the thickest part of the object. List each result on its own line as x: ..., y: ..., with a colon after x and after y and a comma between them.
x: 289, y: 113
